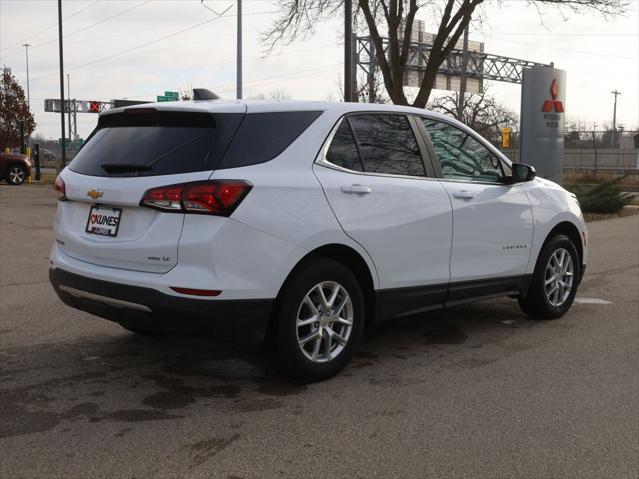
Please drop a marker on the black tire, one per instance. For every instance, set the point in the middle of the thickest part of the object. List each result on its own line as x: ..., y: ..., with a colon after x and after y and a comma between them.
x: 284, y: 345
x: 536, y: 303
x: 16, y: 174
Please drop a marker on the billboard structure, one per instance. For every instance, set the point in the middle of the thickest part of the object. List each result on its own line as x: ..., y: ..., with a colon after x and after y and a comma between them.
x: 448, y: 79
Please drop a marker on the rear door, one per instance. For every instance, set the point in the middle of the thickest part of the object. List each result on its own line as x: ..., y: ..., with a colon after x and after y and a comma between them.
x: 376, y: 182
x: 129, y: 153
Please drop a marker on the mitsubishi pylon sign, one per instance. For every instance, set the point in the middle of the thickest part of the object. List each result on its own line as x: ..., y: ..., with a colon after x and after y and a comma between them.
x: 543, y: 103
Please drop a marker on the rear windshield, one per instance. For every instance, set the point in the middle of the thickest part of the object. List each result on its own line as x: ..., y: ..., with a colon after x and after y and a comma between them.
x: 165, y: 143
x: 156, y: 143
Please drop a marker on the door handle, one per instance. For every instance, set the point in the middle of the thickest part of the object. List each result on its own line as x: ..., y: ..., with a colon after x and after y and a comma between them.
x: 463, y: 195
x: 356, y: 190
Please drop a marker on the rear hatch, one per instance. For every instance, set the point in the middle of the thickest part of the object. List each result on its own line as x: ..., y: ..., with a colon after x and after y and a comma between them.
x: 130, y: 152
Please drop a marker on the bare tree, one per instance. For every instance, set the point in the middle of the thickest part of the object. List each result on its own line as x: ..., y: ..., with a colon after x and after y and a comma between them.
x: 394, y: 19
x: 277, y: 94
x: 367, y: 92
x: 482, y: 112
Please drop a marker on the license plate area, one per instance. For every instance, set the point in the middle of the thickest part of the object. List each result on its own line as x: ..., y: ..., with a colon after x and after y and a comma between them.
x: 103, y: 220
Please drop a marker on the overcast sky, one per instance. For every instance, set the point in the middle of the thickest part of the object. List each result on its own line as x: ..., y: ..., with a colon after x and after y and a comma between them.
x: 140, y: 48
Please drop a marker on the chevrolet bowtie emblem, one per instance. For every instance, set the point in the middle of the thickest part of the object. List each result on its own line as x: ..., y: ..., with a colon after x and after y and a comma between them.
x: 95, y: 194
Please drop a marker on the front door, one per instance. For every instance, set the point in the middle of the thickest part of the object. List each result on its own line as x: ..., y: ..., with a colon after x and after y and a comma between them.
x: 492, y: 220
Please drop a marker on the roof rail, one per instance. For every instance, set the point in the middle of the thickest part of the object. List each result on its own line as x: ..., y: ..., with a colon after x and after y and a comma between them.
x: 204, y: 94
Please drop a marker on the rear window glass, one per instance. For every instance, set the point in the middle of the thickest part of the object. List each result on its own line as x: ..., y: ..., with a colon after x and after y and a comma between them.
x: 264, y: 136
x: 387, y: 144
x: 343, y: 150
x: 155, y: 143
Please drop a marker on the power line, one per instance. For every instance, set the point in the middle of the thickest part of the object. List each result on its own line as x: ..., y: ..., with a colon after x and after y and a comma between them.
x: 49, y: 27
x: 204, y: 65
x: 88, y: 26
x: 130, y: 50
x: 230, y: 86
x: 566, y: 49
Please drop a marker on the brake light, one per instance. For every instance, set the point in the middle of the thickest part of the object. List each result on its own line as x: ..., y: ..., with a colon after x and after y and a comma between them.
x: 215, y: 197
x: 61, y: 188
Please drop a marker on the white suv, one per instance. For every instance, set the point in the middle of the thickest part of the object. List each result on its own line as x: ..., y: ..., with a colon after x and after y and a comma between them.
x: 302, y: 223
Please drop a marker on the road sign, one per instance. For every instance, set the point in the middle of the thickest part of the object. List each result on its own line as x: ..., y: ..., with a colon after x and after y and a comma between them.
x: 172, y: 95
x: 163, y: 98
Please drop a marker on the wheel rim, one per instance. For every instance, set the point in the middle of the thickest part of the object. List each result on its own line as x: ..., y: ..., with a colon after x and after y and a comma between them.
x: 559, y: 277
x: 16, y: 175
x: 324, y: 322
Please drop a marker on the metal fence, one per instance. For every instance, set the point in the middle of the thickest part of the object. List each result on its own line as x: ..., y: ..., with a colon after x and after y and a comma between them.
x: 594, y: 151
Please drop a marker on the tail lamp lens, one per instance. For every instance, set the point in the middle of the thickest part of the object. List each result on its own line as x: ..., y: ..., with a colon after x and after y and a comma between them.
x: 61, y: 188
x: 216, y: 197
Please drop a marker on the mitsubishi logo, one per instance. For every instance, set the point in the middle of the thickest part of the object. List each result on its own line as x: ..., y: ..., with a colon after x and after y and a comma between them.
x: 95, y: 194
x: 554, y: 104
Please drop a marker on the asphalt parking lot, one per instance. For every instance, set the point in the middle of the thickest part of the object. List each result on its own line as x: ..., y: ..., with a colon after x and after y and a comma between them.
x: 475, y: 391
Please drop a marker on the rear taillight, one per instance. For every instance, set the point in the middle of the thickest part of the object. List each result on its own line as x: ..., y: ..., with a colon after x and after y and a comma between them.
x: 61, y: 188
x: 215, y: 197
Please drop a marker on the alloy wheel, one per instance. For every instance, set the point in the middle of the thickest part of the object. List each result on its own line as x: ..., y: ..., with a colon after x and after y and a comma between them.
x: 324, y: 322
x: 559, y: 277
x: 16, y: 175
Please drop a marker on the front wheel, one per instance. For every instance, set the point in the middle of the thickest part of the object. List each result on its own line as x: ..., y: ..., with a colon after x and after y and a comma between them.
x: 16, y: 175
x: 320, y: 319
x: 555, y: 280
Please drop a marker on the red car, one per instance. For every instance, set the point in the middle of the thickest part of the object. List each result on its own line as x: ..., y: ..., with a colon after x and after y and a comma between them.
x: 14, y: 167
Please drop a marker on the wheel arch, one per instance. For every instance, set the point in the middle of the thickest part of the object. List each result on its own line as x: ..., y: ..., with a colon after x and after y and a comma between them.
x: 569, y: 229
x: 350, y: 258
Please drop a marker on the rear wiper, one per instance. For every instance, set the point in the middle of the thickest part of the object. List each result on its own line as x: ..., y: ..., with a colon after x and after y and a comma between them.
x: 124, y: 167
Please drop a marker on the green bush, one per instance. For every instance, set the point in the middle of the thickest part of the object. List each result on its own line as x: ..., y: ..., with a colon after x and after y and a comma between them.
x: 604, y: 198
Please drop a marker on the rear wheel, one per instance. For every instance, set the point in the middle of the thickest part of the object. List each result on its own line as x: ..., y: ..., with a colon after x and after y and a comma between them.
x: 16, y: 174
x: 320, y: 319
x: 555, y: 280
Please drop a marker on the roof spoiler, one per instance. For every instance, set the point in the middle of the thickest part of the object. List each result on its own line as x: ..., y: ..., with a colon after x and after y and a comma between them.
x: 204, y: 94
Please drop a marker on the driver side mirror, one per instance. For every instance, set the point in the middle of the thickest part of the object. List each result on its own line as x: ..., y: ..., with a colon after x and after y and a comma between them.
x: 522, y: 173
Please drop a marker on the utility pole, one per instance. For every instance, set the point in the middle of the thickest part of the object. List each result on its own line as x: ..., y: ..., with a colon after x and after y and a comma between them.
x: 62, y: 146
x: 613, y: 138
x: 69, y: 99
x: 26, y: 50
x: 348, y: 54
x: 239, y: 50
x: 594, y: 143
x: 462, y: 82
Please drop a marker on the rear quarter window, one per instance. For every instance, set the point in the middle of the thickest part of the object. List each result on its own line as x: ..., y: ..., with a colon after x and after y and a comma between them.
x: 264, y: 136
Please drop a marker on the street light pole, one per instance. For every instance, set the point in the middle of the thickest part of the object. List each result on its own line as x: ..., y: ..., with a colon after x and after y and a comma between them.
x: 26, y: 50
x: 62, y: 146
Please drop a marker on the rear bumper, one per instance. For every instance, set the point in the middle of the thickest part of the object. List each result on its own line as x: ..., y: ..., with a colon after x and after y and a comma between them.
x: 146, y: 308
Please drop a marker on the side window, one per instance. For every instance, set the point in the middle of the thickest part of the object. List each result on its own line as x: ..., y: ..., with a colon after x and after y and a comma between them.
x: 387, y: 144
x: 462, y: 157
x: 343, y: 151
